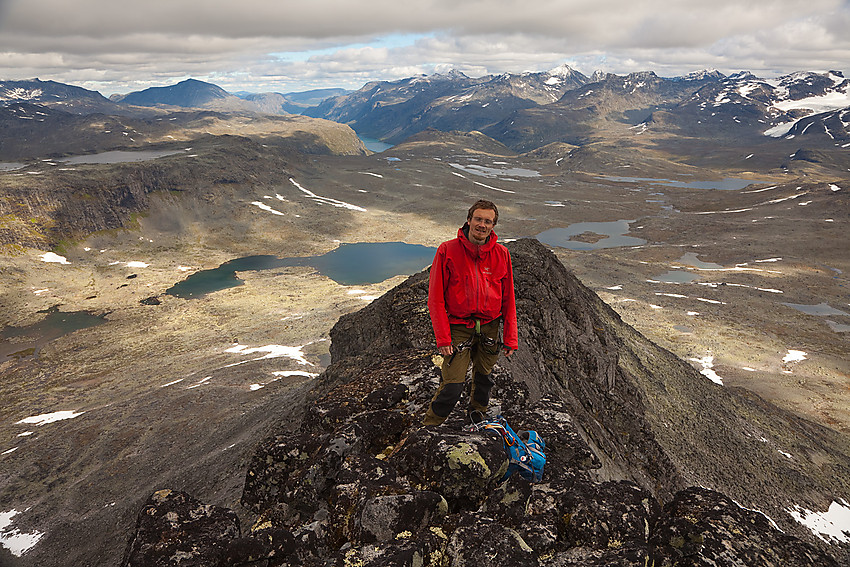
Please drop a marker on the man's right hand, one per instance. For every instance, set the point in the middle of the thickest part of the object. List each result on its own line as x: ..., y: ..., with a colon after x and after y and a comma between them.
x: 446, y: 350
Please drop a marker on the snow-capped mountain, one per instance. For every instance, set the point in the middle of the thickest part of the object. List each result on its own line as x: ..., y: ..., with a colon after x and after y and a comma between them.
x: 744, y: 103
x: 396, y: 110
x: 56, y: 95
x: 583, y: 114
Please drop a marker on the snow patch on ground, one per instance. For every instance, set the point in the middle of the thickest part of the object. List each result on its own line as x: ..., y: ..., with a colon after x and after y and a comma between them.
x: 52, y: 257
x: 46, y: 418
x: 272, y: 351
x: 707, y: 363
x: 13, y: 539
x: 794, y: 356
x: 832, y: 526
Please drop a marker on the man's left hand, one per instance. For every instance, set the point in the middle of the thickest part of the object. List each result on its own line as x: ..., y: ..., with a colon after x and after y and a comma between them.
x: 508, y: 351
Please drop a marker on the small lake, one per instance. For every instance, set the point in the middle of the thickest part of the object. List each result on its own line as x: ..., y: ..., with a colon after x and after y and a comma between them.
x: 359, y: 263
x: 374, y: 145
x: 725, y: 184
x: 31, y: 338
x: 120, y: 156
x: 615, y: 234
x: 494, y: 172
x: 821, y: 309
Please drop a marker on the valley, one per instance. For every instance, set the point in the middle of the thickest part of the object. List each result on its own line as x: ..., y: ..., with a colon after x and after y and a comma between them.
x: 175, y: 393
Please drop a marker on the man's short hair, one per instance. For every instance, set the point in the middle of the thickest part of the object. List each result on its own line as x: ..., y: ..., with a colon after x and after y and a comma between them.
x: 483, y: 204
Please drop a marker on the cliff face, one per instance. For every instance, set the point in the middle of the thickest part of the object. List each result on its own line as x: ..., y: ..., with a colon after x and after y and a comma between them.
x: 629, y: 430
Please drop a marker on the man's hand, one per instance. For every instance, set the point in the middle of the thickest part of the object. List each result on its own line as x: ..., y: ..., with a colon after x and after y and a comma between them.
x: 508, y: 351
x: 446, y: 350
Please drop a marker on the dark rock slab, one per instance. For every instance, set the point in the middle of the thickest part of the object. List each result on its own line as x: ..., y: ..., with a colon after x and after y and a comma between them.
x: 175, y: 529
x: 703, y: 527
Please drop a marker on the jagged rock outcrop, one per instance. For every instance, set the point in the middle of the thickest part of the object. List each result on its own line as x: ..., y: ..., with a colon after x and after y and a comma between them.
x: 362, y: 483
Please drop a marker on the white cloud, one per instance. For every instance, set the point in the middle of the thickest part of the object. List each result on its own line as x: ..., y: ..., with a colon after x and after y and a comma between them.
x: 261, y: 45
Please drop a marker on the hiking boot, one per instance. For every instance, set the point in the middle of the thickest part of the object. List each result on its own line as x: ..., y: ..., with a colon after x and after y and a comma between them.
x: 476, y: 416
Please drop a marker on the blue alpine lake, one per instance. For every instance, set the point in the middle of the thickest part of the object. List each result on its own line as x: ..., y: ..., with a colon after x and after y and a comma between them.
x: 359, y: 263
x: 374, y: 145
x: 615, y: 232
x: 30, y: 338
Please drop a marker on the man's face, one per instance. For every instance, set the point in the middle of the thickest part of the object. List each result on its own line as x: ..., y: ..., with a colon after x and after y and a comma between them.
x: 481, y: 224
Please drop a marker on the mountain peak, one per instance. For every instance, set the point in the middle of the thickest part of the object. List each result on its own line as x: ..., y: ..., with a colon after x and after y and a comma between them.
x: 452, y: 74
x: 703, y: 75
x: 186, y: 93
x: 563, y: 70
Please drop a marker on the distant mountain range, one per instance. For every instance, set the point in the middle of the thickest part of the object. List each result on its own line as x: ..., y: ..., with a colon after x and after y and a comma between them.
x: 532, y: 110
x: 393, y: 111
x: 190, y: 93
x: 522, y: 111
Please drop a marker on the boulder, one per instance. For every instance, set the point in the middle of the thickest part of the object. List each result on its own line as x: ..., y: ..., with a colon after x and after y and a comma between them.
x: 703, y: 527
x: 480, y: 541
x: 464, y: 467
x: 175, y: 529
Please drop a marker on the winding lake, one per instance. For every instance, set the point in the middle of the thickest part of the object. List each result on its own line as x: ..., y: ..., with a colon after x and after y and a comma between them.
x: 615, y: 233
x: 350, y: 264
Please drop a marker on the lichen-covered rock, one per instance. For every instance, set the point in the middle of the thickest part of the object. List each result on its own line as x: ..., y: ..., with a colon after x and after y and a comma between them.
x: 174, y: 529
x: 480, y: 541
x: 272, y: 464
x: 382, y: 518
x: 426, y: 548
x: 701, y: 527
x: 463, y: 467
x: 606, y: 515
x: 625, y: 556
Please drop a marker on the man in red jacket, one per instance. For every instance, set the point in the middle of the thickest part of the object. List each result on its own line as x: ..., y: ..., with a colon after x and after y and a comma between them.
x: 470, y: 293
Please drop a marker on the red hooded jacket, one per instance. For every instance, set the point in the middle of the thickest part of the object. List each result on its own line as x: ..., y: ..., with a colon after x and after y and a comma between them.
x: 470, y: 282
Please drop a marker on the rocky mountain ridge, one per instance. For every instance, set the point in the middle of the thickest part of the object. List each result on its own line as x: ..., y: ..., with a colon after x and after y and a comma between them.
x: 641, y: 449
x: 522, y: 111
x: 59, y: 95
x: 395, y: 110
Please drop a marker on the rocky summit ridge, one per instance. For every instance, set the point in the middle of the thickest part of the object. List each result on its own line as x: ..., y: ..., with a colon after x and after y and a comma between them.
x: 649, y: 462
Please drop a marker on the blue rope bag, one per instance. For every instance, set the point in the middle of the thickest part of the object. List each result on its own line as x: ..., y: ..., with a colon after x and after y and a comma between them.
x: 525, y: 450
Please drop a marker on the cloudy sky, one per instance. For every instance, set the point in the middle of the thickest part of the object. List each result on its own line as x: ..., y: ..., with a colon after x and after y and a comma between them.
x: 115, y: 46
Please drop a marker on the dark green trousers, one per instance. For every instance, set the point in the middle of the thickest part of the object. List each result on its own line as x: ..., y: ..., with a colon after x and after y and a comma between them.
x: 453, y: 378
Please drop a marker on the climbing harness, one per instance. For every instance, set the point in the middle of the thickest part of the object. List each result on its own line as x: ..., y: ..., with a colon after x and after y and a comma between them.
x: 483, y: 339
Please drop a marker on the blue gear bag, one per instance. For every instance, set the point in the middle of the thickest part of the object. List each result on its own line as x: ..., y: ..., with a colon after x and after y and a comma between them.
x: 525, y: 450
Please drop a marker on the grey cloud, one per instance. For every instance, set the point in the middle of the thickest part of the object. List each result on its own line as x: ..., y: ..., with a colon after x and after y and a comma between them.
x: 129, y: 44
